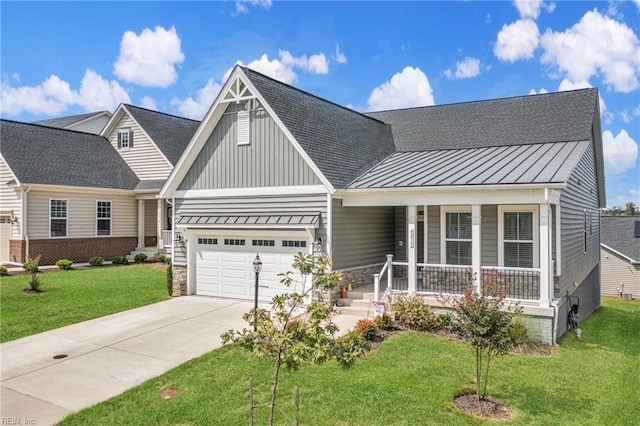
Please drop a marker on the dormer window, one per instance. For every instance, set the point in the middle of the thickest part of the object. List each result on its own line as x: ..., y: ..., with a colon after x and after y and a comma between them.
x: 243, y: 127
x: 125, y: 139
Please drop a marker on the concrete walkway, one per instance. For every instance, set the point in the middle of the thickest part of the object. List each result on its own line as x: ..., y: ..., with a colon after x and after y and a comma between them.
x: 108, y: 355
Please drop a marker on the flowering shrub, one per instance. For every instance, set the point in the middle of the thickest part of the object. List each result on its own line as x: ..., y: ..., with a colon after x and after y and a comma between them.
x: 366, y: 328
x: 384, y: 322
x: 415, y: 313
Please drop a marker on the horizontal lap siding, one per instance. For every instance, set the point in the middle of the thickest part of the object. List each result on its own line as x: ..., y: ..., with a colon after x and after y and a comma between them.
x: 361, y: 235
x: 150, y: 217
x: 489, y: 235
x: 144, y: 158
x: 94, y: 125
x: 268, y: 160
x: 401, y: 233
x: 616, y: 272
x: 433, y: 238
x: 250, y: 205
x: 81, y: 214
x: 10, y: 199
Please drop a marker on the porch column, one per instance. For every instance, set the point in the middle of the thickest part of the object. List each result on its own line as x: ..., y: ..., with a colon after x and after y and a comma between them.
x: 159, y: 227
x: 475, y: 245
x: 140, y: 223
x: 412, y: 247
x: 545, y: 254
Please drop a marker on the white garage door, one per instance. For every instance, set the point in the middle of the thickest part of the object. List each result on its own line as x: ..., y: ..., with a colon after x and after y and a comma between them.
x: 5, y: 235
x: 224, y: 263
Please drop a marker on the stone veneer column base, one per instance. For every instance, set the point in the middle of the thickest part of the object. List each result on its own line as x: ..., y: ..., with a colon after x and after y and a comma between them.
x: 179, y: 287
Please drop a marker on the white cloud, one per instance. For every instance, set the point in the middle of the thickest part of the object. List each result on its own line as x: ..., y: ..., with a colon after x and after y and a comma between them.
x: 595, y: 45
x: 566, y: 85
x: 468, y: 68
x: 529, y: 8
x: 196, y: 107
x: 273, y: 68
x: 409, y: 88
x: 339, y: 57
x: 54, y: 95
x: 539, y: 92
x: 149, y: 59
x: 315, y: 64
x: 283, y: 69
x: 148, y: 103
x: 242, y: 6
x: 517, y: 41
x: 620, y: 152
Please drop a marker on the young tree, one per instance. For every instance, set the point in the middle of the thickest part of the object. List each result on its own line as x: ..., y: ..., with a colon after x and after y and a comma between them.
x: 485, y: 321
x: 295, y: 332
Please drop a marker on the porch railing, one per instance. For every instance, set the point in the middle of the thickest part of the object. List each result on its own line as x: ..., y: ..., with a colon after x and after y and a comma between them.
x: 515, y: 283
x: 167, y: 238
x: 442, y: 279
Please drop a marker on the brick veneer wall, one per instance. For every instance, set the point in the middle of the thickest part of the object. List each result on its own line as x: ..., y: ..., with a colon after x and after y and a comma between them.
x: 16, y: 251
x: 80, y: 249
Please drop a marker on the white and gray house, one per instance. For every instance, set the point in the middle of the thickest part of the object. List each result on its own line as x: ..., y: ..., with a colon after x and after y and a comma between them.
x: 422, y: 194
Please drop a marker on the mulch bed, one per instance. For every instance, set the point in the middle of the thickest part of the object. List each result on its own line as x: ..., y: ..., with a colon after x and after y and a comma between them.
x: 486, y: 407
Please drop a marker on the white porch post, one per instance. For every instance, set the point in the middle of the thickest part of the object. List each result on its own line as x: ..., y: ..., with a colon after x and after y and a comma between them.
x: 159, y: 227
x: 545, y: 254
x: 140, y: 223
x: 412, y: 247
x: 475, y: 245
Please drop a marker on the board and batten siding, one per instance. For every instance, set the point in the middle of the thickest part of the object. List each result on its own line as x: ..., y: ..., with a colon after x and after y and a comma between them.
x: 9, y: 199
x: 254, y: 205
x: 268, y: 160
x: 144, y: 158
x: 93, y: 125
x: 617, y: 271
x: 580, y: 194
x: 361, y: 235
x: 81, y: 214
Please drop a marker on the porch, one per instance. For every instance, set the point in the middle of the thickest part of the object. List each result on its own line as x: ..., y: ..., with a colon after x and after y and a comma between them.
x: 155, y: 232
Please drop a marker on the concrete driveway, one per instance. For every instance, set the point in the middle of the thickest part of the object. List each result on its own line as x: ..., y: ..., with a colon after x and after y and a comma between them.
x: 108, y: 355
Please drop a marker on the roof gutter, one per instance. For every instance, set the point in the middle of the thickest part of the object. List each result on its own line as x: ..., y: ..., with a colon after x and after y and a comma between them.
x: 408, y: 189
x: 630, y: 260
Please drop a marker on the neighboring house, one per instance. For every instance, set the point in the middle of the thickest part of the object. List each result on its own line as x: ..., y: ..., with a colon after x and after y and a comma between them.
x: 620, y: 255
x: 512, y: 185
x: 70, y: 194
x: 92, y: 122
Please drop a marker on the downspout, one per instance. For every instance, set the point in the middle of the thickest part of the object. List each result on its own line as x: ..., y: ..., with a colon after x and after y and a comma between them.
x: 329, y: 243
x: 24, y: 222
x: 554, y: 330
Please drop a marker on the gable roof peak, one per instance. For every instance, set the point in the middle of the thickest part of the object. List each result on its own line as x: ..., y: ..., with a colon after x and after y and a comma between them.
x: 152, y: 111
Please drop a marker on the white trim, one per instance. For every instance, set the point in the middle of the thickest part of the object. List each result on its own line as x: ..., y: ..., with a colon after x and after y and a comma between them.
x: 412, y: 247
x: 443, y: 230
x: 447, y: 188
x: 536, y: 230
x: 15, y: 178
x: 558, y: 222
x: 546, y: 272
x: 141, y: 217
x: 630, y: 260
x: 425, y: 235
x: 251, y: 226
x: 77, y: 123
x: 476, y: 244
x: 66, y: 218
x: 110, y: 217
x: 243, y: 192
x: 76, y: 189
x: 244, y: 124
x: 329, y: 227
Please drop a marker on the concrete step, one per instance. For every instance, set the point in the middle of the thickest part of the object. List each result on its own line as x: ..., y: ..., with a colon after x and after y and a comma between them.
x: 356, y: 311
x: 363, y: 303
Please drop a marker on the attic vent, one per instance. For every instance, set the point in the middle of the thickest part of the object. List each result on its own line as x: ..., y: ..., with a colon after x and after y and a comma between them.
x: 636, y: 232
x: 243, y: 128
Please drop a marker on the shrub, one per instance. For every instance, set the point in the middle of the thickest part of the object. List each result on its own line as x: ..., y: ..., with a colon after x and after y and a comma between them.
x: 32, y: 266
x: 521, y: 336
x: 64, y: 264
x: 350, y: 347
x: 120, y: 260
x: 445, y: 322
x: 162, y: 258
x: 385, y: 322
x: 169, y: 279
x: 415, y: 313
x: 3, y: 270
x: 366, y: 328
x: 140, y: 258
x: 96, y: 261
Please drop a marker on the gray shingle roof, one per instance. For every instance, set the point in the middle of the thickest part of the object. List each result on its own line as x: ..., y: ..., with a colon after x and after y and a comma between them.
x: 150, y: 184
x: 47, y: 155
x: 170, y: 133
x: 617, y: 232
x: 341, y: 142
x: 552, y: 117
x: 63, y: 122
x: 523, y: 164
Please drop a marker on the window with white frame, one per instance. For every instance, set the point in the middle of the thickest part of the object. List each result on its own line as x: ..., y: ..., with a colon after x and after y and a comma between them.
x: 518, y: 237
x: 125, y: 139
x: 58, y: 218
x: 457, y: 237
x: 103, y: 218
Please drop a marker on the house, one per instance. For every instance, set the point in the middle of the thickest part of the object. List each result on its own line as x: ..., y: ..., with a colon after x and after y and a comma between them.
x: 92, y: 122
x: 72, y: 194
x: 620, y: 255
x: 511, y: 185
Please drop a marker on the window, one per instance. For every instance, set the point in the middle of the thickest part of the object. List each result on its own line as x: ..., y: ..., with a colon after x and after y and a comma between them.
x: 232, y: 242
x: 518, y: 236
x: 103, y: 218
x: 208, y: 241
x: 243, y: 127
x: 58, y: 218
x: 263, y: 243
x: 457, y: 238
x: 125, y: 139
x: 294, y: 243
x: 586, y: 215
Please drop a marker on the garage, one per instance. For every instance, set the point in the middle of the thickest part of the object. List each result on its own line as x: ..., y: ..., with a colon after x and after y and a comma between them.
x: 5, y: 235
x: 224, y: 262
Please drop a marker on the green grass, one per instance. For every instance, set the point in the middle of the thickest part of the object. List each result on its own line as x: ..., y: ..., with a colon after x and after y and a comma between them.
x: 411, y: 379
x: 73, y: 296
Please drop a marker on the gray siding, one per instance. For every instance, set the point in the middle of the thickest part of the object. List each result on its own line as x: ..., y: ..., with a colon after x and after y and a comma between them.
x: 433, y: 244
x: 361, y: 235
x: 489, y: 235
x: 269, y: 160
x: 249, y: 205
x: 580, y: 194
x: 401, y: 234
x: 93, y: 125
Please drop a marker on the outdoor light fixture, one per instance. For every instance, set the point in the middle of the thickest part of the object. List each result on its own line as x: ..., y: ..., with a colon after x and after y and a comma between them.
x: 257, y: 267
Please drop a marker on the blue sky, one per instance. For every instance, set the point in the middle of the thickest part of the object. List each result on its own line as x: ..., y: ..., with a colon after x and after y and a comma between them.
x: 63, y: 58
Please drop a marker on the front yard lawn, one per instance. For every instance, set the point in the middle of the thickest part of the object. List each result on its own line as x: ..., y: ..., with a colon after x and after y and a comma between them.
x: 78, y: 295
x: 411, y: 379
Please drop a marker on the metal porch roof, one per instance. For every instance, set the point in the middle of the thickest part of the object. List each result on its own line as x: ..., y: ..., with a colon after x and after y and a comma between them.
x: 300, y: 220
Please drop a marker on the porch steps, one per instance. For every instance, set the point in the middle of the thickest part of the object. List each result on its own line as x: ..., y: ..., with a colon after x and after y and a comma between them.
x: 151, y: 252
x: 357, y: 304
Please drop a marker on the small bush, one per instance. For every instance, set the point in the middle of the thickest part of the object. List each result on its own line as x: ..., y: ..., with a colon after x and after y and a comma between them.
x: 169, y: 279
x: 350, y: 347
x: 415, y: 313
x: 64, y: 264
x: 120, y: 260
x: 3, y: 270
x: 140, y: 258
x: 162, y: 258
x: 445, y: 322
x: 32, y: 266
x: 366, y: 328
x: 521, y: 336
x: 385, y: 322
x: 96, y: 261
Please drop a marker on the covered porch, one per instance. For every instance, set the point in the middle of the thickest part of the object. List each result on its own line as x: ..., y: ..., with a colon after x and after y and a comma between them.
x: 155, y: 227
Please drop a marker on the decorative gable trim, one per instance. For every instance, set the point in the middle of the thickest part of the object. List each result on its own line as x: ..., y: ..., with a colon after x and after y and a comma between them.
x: 235, y: 81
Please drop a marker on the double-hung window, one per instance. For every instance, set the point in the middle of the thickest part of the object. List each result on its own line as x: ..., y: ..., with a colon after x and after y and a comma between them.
x: 58, y: 218
x: 518, y: 237
x: 456, y: 237
x: 103, y: 218
x: 125, y: 139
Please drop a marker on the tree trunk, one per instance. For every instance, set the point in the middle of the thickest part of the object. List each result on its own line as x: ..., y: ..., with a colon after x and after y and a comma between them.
x: 486, y: 375
x: 274, y: 388
x: 478, y: 372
